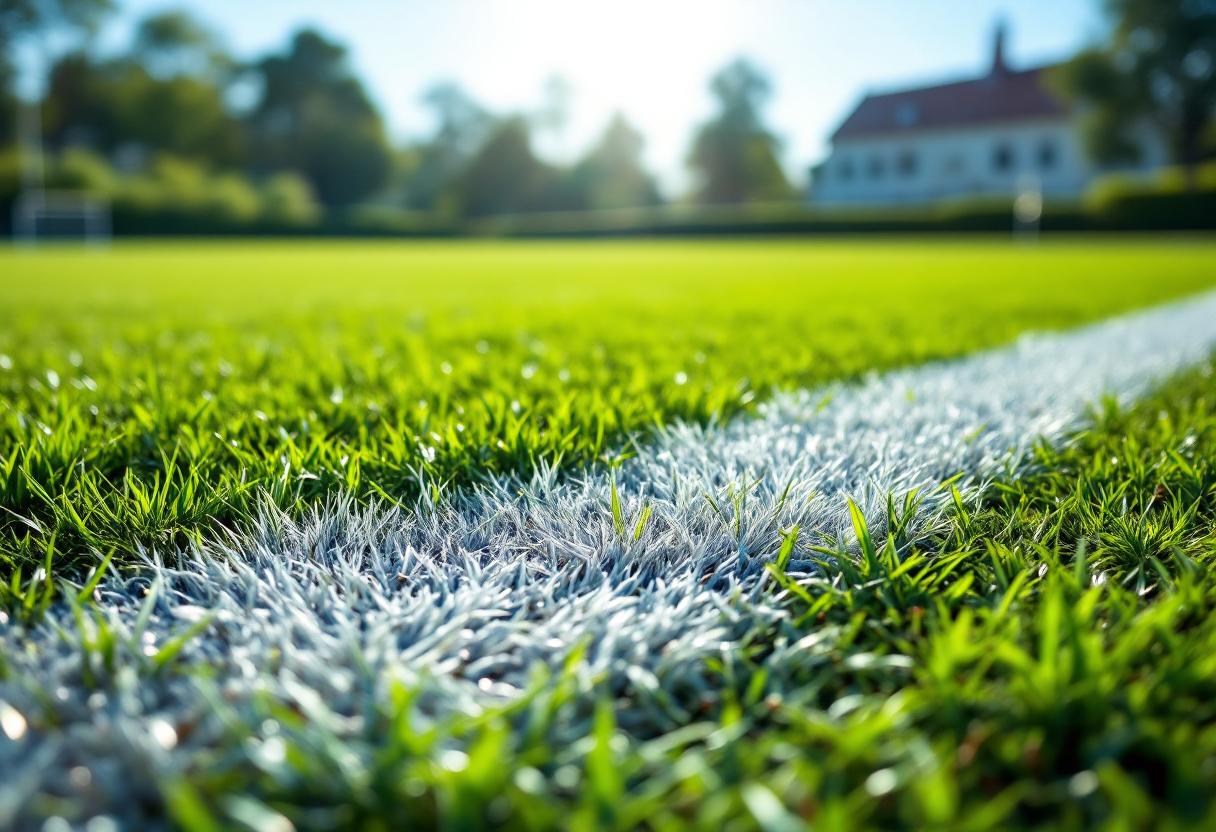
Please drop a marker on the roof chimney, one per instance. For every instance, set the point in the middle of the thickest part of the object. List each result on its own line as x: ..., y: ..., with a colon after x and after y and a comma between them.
x: 998, y: 51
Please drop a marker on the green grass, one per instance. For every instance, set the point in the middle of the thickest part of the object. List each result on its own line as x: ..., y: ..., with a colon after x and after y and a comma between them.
x: 1047, y: 663
x: 153, y: 390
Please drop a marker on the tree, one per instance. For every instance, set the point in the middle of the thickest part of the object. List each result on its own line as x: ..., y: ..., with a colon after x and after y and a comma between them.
x: 173, y: 43
x: 118, y: 103
x: 1160, y: 66
x: 505, y: 176
x: 165, y: 94
x: 25, y: 18
x: 315, y: 117
x: 612, y: 175
x: 8, y: 102
x: 462, y: 128
x: 735, y: 156
x: 22, y: 20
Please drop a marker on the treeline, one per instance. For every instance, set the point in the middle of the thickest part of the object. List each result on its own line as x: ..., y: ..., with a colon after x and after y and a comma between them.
x: 183, y: 137
x: 175, y: 127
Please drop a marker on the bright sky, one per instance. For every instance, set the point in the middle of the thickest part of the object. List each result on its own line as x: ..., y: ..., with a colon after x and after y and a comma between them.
x: 650, y: 59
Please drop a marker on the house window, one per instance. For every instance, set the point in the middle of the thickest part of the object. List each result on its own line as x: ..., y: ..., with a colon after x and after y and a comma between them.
x: 907, y: 163
x: 846, y: 169
x: 876, y: 167
x: 1002, y: 158
x: 1048, y: 156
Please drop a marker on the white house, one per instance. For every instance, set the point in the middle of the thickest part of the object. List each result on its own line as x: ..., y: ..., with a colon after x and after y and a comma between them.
x: 987, y: 136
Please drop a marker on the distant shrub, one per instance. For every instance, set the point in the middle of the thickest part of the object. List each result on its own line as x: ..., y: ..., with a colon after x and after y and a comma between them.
x: 173, y: 195
x: 181, y: 196
x: 288, y: 198
x: 10, y: 174
x: 1162, y: 211
x: 82, y: 170
x: 1169, y: 199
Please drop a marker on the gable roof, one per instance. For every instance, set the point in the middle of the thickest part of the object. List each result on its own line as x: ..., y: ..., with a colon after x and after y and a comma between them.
x: 1003, y: 95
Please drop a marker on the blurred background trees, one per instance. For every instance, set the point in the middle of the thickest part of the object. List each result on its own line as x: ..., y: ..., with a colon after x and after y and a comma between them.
x: 433, y: 166
x: 118, y: 108
x: 314, y: 117
x: 173, y: 123
x: 613, y: 174
x: 504, y: 176
x: 26, y: 23
x: 734, y: 156
x: 1159, y: 68
x: 170, y: 94
x: 24, y: 19
x: 8, y: 100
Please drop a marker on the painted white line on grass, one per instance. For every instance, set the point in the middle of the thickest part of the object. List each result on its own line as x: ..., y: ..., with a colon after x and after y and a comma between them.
x: 470, y: 599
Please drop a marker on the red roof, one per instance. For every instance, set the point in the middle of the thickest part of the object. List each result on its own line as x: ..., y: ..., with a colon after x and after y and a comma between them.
x: 1001, y: 96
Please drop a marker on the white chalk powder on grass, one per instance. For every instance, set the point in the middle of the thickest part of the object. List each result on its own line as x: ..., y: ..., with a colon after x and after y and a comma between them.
x: 474, y: 596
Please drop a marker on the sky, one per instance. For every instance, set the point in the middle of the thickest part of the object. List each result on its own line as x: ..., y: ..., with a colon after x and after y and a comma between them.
x: 649, y: 59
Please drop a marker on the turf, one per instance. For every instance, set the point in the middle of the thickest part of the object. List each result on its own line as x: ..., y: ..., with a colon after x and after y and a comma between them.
x: 1048, y: 661
x: 1044, y: 659
x: 151, y: 391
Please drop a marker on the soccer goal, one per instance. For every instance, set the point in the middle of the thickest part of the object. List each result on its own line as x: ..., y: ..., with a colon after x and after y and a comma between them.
x: 61, y: 215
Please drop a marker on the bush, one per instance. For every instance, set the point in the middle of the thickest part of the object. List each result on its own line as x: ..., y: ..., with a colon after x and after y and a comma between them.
x: 1170, y: 199
x: 83, y: 170
x: 173, y: 195
x: 180, y: 196
x: 1184, y: 211
x: 287, y: 198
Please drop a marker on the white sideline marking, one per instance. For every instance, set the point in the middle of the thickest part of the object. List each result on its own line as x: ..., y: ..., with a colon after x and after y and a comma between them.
x: 471, y: 598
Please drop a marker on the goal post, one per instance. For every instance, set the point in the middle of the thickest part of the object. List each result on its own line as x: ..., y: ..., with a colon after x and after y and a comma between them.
x: 61, y: 215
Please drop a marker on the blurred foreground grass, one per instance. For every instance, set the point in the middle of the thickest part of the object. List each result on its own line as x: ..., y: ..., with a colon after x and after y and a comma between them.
x: 152, y: 389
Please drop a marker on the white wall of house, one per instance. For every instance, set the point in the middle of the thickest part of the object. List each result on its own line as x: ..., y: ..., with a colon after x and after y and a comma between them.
x: 985, y: 160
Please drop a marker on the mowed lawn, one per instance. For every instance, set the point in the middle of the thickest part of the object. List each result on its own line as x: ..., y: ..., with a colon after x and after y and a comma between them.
x: 1041, y: 656
x: 151, y: 390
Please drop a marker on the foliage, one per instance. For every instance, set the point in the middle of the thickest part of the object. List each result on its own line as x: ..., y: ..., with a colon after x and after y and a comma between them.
x: 1160, y: 64
x: 462, y: 127
x: 8, y: 103
x: 734, y: 155
x: 1108, y: 127
x: 23, y: 20
x: 315, y: 117
x: 177, y: 92
x: 146, y: 395
x: 172, y: 92
x: 31, y: 18
x: 171, y: 185
x: 173, y: 43
x: 612, y: 174
x: 119, y: 107
x: 504, y: 177
x: 478, y: 166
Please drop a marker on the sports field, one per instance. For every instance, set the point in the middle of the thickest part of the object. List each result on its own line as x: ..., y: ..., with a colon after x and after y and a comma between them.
x: 609, y: 535
x: 155, y: 390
